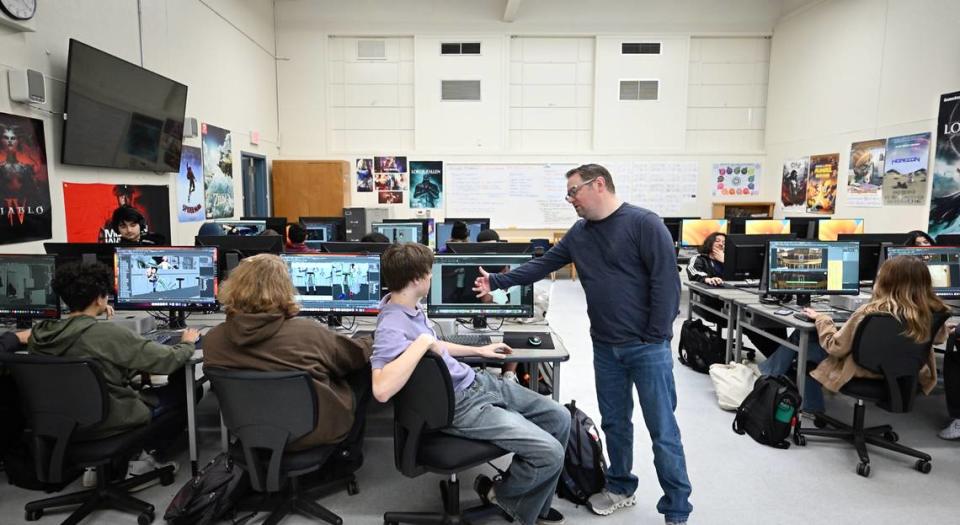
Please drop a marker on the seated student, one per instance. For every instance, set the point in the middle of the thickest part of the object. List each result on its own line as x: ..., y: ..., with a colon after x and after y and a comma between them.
x: 460, y: 232
x: 487, y: 408
x: 707, y: 267
x: 296, y: 238
x: 375, y: 237
x: 131, y: 225
x: 84, y: 287
x: 902, y: 288
x: 262, y: 332
x: 919, y: 238
x: 488, y: 235
x: 951, y: 388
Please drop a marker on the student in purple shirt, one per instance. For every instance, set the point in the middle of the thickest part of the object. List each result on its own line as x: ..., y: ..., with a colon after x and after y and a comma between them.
x: 487, y: 408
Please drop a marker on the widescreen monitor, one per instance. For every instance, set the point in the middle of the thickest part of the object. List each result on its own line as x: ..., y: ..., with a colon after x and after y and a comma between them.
x: 804, y: 227
x: 170, y: 278
x: 871, y: 245
x: 399, y: 232
x: 810, y: 268
x: 451, y: 290
x: 323, y: 229
x: 694, y: 231
x: 744, y: 255
x: 277, y: 224
x: 830, y: 229
x: 427, y: 227
x: 444, y: 230
x: 233, y: 248
x: 335, y: 284
x: 943, y: 263
x: 673, y: 225
x: 767, y: 226
x: 86, y: 252
x: 242, y: 228
x: 26, y: 290
x: 484, y: 222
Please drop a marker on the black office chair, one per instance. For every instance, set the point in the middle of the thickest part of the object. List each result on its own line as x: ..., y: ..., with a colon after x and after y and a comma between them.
x: 268, y: 411
x: 421, y: 409
x: 880, y: 346
x: 62, y: 396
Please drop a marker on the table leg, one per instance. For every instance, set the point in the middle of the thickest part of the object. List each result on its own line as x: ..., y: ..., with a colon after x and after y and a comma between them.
x: 732, y: 322
x: 802, y: 360
x: 190, y: 369
x: 556, y: 381
x: 739, y: 330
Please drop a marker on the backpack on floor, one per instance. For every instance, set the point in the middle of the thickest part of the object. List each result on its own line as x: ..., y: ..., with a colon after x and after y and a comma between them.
x: 769, y: 412
x: 584, y: 468
x: 211, y: 495
x: 700, y: 346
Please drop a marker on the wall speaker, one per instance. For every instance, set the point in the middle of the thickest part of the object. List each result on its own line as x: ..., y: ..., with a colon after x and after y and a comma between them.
x: 26, y: 86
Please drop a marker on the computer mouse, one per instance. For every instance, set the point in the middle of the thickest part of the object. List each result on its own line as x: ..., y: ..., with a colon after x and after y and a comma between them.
x: 534, y: 340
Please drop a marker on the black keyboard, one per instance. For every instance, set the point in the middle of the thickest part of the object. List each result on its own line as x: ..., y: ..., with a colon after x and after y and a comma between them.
x: 164, y: 337
x: 468, y: 339
x: 838, y: 317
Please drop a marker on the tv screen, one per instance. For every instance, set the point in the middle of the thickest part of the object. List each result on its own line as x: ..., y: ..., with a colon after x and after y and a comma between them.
x: 119, y: 115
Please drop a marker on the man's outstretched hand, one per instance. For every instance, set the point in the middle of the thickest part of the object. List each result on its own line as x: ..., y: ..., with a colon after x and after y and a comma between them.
x: 481, y: 285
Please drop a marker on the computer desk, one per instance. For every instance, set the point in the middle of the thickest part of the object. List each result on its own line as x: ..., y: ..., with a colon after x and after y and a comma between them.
x: 730, y: 299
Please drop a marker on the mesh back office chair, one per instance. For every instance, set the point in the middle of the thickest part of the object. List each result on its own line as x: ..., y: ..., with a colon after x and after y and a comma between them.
x: 421, y: 409
x: 62, y: 396
x: 880, y: 346
x: 267, y: 411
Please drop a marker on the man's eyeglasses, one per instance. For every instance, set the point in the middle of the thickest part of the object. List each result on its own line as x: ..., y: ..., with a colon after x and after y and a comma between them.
x: 572, y: 191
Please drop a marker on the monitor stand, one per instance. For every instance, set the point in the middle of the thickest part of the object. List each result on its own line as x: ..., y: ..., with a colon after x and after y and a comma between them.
x: 478, y: 326
x: 335, y: 323
x: 177, y: 320
x: 803, y: 300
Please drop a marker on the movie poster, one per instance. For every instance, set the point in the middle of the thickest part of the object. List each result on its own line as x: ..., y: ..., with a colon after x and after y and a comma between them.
x: 364, y: 175
x: 793, y: 188
x: 189, y: 193
x: 426, y: 184
x: 89, y: 209
x: 945, y: 196
x: 217, y: 171
x: 736, y: 180
x: 25, y: 213
x: 390, y: 179
x: 822, y: 183
x: 905, y: 180
x: 865, y: 173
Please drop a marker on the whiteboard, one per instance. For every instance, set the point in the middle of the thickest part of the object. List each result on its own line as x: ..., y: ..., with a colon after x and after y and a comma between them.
x: 532, y: 195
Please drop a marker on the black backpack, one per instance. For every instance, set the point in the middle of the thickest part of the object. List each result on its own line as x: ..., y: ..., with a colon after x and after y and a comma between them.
x: 211, y: 495
x: 700, y: 346
x: 769, y: 412
x: 584, y: 468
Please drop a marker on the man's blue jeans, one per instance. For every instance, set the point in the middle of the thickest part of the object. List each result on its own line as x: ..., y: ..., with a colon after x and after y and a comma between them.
x: 781, y: 361
x: 534, y: 427
x: 649, y: 368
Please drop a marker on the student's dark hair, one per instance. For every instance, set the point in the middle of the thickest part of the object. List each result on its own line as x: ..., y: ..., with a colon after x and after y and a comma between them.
x: 460, y: 231
x: 915, y: 234
x: 403, y: 263
x: 488, y: 235
x: 80, y: 284
x: 707, y: 247
x: 594, y: 171
x: 127, y: 213
x: 296, y: 234
x: 374, y: 237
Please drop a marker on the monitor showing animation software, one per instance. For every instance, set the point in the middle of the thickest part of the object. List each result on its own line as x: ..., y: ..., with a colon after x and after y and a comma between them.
x: 166, y: 278
x: 242, y: 228
x: 25, y: 288
x: 813, y: 268
x: 335, y: 284
x: 943, y: 263
x: 399, y: 232
x: 451, y: 290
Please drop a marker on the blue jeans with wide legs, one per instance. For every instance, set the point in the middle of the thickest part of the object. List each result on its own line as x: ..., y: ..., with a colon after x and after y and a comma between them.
x: 648, y: 368
x: 781, y: 361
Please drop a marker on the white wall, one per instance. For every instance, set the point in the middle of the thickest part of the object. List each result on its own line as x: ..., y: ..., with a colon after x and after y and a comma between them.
x: 852, y: 70
x: 231, y: 78
x: 571, y: 46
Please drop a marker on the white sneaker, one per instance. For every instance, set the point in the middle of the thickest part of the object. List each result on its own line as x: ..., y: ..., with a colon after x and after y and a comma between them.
x: 605, y: 502
x: 89, y: 478
x: 952, y: 431
x: 144, y: 464
x: 510, y: 375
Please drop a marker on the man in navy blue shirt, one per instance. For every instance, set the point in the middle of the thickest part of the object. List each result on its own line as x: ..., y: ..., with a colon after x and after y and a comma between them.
x: 626, y: 262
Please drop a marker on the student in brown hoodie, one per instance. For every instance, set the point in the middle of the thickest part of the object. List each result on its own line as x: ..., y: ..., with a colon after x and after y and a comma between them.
x: 262, y: 332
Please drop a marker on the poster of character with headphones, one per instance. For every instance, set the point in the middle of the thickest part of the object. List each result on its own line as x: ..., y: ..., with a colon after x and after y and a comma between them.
x: 24, y: 185
x: 117, y: 213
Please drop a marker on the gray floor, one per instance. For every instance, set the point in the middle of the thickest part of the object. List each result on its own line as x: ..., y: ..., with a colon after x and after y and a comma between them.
x: 735, y: 480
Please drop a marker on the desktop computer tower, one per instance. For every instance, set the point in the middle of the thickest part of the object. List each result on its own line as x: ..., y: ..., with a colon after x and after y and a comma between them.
x: 359, y: 220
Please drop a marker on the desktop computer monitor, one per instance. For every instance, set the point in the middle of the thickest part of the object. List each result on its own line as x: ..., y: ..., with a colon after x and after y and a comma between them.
x: 804, y: 227
x: 948, y: 239
x: 505, y: 248
x: 673, y: 225
x: 483, y: 222
x: 87, y: 252
x: 744, y: 254
x: 829, y: 229
x: 335, y: 285
x: 242, y: 228
x: 808, y: 268
x: 767, y: 226
x: 233, y: 248
x: 451, y: 290
x: 26, y: 291
x: 444, y: 230
x: 170, y: 278
x: 323, y: 229
x: 693, y: 232
x: 277, y: 224
x: 943, y: 263
x: 355, y: 247
x: 871, y: 245
x: 427, y: 227
x: 399, y: 232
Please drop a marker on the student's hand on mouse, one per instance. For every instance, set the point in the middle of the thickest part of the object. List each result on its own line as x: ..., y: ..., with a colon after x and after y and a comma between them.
x: 481, y: 284
x: 23, y: 336
x: 713, y: 281
x: 190, y: 335
x: 494, y: 350
x: 810, y: 312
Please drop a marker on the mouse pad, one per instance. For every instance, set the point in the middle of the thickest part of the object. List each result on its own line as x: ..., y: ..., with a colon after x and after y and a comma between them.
x: 519, y: 340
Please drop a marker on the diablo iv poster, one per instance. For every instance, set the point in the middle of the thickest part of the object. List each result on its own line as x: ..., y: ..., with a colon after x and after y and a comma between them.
x: 822, y: 183
x: 24, y: 186
x: 426, y: 184
x: 905, y: 180
x: 865, y: 173
x: 793, y: 188
x: 89, y: 209
x: 217, y: 171
x: 945, y: 196
x: 189, y: 193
